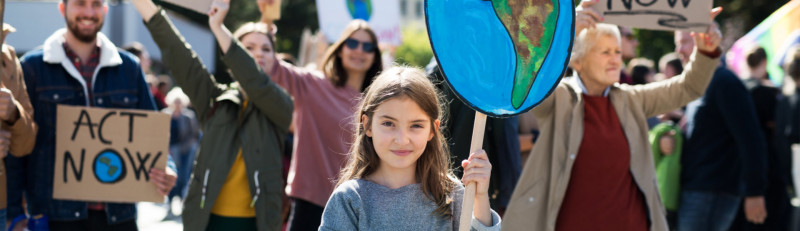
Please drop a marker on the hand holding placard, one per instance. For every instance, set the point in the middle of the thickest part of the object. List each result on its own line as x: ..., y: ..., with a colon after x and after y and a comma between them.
x: 709, y: 41
x: 586, y: 16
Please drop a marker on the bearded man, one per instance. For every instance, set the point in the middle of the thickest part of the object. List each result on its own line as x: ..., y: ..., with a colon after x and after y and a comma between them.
x: 78, y: 65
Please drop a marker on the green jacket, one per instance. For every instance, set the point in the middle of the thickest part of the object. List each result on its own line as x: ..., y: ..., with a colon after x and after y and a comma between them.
x: 668, y: 167
x: 259, y: 131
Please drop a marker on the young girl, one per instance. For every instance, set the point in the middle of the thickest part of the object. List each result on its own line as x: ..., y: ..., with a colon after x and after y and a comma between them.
x: 324, y: 102
x: 398, y: 176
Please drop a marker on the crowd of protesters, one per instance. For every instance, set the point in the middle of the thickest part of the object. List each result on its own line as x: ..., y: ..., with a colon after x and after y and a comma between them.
x: 621, y: 143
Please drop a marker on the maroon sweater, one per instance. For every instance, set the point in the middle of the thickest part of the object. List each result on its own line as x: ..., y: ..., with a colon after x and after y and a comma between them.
x: 602, y: 194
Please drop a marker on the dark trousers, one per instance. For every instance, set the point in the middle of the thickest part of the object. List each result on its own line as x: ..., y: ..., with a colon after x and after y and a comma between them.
x: 304, y: 215
x: 184, y: 163
x: 779, y: 210
x: 707, y: 211
x: 97, y: 221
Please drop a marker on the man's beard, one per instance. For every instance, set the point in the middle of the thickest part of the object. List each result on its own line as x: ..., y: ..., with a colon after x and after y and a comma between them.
x: 72, y: 26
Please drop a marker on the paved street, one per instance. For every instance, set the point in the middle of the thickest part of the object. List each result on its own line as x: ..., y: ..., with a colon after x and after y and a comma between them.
x: 151, y: 217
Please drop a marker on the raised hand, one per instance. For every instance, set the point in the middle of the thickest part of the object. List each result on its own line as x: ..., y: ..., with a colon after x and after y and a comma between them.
x: 709, y: 41
x: 585, y: 16
x: 219, y: 9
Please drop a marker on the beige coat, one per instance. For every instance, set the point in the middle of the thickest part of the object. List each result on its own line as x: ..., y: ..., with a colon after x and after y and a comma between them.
x: 23, y: 131
x: 540, y: 191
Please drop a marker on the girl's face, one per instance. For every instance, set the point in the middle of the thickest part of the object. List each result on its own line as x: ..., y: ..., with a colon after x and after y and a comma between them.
x: 358, y: 52
x: 400, y: 130
x: 601, y: 65
x: 260, y: 48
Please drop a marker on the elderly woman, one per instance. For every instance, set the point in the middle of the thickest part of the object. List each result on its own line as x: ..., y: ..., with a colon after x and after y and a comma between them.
x: 592, y: 167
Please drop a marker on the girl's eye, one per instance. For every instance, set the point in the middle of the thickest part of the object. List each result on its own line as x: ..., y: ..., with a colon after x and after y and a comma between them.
x: 387, y: 124
x: 265, y: 49
x: 417, y: 126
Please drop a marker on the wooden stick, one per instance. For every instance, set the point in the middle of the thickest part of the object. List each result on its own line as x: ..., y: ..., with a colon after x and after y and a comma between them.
x: 469, y: 192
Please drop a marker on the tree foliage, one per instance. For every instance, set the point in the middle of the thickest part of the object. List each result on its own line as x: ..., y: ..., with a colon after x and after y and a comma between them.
x: 416, y: 48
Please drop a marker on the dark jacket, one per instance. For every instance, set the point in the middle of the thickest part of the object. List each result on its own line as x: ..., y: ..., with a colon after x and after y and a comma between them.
x: 725, y: 150
x: 500, y: 141
x: 259, y: 131
x: 52, y: 79
x: 787, y: 133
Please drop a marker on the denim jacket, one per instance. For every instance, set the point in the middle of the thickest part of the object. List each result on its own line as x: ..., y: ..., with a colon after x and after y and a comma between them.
x: 118, y: 82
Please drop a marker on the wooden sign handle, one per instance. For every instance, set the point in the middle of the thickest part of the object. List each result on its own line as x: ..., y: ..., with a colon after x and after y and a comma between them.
x: 469, y: 191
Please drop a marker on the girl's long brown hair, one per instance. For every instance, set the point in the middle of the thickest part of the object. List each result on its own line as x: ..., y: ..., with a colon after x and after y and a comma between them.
x: 331, y: 64
x: 433, y: 166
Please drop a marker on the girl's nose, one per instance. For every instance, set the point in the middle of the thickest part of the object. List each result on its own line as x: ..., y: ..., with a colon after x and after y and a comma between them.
x: 401, y: 137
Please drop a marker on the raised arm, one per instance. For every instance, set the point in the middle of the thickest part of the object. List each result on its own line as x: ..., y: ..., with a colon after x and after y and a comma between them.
x: 661, y: 97
x: 267, y: 96
x: 184, y: 64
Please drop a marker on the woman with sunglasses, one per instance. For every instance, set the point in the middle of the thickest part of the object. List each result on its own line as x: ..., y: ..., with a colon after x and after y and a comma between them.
x: 324, y: 105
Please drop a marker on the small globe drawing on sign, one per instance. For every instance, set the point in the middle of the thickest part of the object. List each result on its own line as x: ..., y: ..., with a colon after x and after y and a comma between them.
x: 108, y: 167
x: 360, y: 9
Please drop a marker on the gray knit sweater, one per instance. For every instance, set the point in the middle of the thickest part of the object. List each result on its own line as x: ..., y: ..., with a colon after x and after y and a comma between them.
x: 364, y: 205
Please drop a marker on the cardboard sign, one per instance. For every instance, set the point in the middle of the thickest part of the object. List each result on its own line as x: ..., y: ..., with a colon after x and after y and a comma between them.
x: 382, y: 15
x: 686, y: 15
x: 499, y: 58
x: 106, y: 154
x: 271, y: 11
x: 201, y: 6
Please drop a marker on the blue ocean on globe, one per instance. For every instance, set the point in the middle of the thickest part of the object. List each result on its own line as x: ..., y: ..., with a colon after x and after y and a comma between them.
x: 108, y: 167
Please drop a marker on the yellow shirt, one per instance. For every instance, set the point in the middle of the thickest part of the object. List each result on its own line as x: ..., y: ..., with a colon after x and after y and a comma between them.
x: 234, y: 197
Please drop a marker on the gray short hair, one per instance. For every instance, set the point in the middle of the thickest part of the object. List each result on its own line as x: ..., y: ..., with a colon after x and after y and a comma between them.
x: 177, y: 94
x: 586, y: 38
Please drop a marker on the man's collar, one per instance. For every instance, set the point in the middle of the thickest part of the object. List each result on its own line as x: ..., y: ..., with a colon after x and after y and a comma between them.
x: 54, y: 51
x: 583, y: 87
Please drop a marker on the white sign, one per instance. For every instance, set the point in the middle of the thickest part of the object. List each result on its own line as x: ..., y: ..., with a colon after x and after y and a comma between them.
x: 383, y: 16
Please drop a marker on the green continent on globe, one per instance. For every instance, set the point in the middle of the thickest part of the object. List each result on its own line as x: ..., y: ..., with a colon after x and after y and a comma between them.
x: 531, y: 25
x: 107, y: 162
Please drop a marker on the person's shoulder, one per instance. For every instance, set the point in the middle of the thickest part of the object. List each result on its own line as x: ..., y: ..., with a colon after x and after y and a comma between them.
x: 350, y: 187
x: 726, y: 80
x: 349, y: 192
x: 35, y: 55
x: 127, y: 57
x: 723, y: 74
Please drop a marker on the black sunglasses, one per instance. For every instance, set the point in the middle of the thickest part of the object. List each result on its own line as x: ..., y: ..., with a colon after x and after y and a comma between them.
x: 365, y: 46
